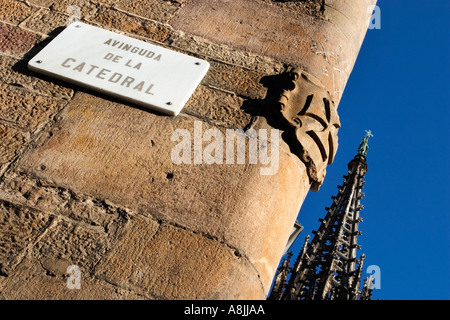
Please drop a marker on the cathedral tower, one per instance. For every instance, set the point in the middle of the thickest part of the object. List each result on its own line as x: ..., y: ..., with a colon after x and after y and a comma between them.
x: 328, y: 268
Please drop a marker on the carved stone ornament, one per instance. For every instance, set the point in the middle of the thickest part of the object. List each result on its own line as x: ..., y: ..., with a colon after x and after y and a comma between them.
x: 308, y: 110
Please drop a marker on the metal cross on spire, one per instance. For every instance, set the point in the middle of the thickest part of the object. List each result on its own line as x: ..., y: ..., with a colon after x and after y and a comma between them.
x: 364, y: 146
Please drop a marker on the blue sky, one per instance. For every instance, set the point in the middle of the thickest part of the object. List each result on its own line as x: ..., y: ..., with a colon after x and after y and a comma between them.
x: 399, y: 89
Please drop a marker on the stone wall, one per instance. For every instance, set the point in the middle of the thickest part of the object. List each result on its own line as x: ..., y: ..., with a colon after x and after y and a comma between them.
x: 88, y: 180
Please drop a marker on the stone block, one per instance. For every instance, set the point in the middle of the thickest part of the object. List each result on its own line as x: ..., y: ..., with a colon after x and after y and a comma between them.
x: 14, y: 12
x: 358, y: 12
x: 155, y: 10
x: 78, y: 9
x: 16, y: 41
x: 13, y: 141
x: 243, y: 82
x: 45, y: 21
x: 122, y: 22
x: 27, y: 110
x: 15, y: 72
x: 36, y: 280
x: 79, y: 244
x: 35, y: 193
x: 223, y: 108
x: 173, y: 263
x: 351, y: 18
x: 224, y: 53
x: 312, y: 44
x: 20, y: 228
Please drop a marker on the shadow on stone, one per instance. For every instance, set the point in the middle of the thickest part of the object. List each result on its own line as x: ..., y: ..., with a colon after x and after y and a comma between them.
x: 270, y: 109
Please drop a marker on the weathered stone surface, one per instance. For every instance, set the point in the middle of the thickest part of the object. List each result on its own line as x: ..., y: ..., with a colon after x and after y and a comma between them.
x: 354, y: 29
x: 16, y: 41
x: 351, y: 17
x: 83, y: 245
x: 12, y: 142
x: 123, y: 154
x: 39, y: 247
x: 241, y: 81
x: 45, y: 21
x: 80, y: 9
x: 106, y: 2
x: 20, y: 227
x: 223, y: 53
x: 318, y: 46
x: 14, y: 11
x: 358, y: 12
x: 156, y: 10
x: 173, y: 263
x: 312, y: 8
x: 35, y: 280
x: 35, y: 193
x: 116, y: 20
x: 15, y: 72
x: 26, y: 109
x: 224, y: 108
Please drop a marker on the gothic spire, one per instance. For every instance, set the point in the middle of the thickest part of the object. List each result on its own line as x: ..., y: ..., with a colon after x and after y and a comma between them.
x: 280, y: 278
x: 328, y: 268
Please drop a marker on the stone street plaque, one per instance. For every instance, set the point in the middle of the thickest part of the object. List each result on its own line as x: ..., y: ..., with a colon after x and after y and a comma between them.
x: 122, y: 67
